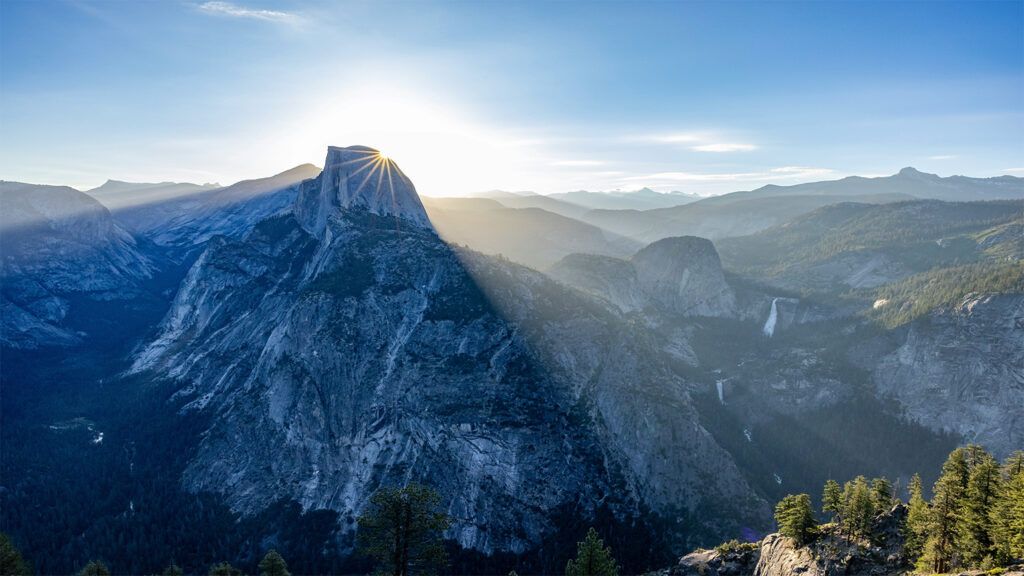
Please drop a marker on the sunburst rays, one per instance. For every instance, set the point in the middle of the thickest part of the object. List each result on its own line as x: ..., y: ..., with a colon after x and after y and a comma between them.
x: 379, y: 165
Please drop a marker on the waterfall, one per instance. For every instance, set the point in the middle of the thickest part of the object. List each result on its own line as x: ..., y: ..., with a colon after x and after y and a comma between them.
x: 721, y: 392
x: 773, y: 316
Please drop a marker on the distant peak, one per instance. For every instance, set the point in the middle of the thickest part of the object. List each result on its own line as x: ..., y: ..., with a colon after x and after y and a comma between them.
x: 358, y: 177
x: 911, y: 172
x: 301, y: 170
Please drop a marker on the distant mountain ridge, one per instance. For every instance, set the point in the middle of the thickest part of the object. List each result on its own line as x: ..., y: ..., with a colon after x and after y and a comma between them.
x: 532, y: 236
x: 852, y: 245
x: 118, y: 194
x: 187, y: 219
x: 909, y: 181
x: 642, y: 199
x: 575, y: 203
x: 742, y: 213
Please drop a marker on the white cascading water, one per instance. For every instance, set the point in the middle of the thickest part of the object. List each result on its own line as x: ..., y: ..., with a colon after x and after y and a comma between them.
x: 721, y: 391
x: 769, y: 325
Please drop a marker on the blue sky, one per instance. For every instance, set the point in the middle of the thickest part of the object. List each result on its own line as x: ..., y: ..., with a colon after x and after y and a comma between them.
x: 470, y: 96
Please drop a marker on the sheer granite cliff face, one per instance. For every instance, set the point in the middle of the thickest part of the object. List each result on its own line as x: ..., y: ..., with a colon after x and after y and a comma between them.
x: 374, y: 360
x: 962, y: 370
x: 346, y: 347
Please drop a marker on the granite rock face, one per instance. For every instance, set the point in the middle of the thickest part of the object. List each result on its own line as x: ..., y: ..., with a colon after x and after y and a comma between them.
x: 961, y: 369
x: 372, y: 360
x: 780, y: 556
x: 677, y: 276
x: 684, y: 275
x: 346, y: 347
x: 60, y: 245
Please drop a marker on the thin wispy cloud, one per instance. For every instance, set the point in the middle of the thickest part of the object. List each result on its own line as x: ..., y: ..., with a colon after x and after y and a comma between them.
x: 1014, y: 170
x: 724, y: 147
x: 232, y: 10
x: 577, y: 163
x: 696, y: 141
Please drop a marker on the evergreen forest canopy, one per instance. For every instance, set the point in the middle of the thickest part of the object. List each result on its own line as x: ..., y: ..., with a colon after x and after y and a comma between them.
x: 973, y: 520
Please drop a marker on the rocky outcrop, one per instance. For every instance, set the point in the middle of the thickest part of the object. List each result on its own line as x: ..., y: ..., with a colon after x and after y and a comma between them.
x: 345, y: 347
x: 60, y: 245
x: 676, y: 276
x: 961, y: 370
x: 740, y: 561
x: 832, y: 553
x: 780, y: 556
x: 828, y: 554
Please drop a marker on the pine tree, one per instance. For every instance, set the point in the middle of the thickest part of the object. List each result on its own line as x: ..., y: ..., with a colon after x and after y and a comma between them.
x: 173, y: 570
x: 832, y: 500
x: 915, y: 531
x: 95, y: 568
x: 592, y: 558
x: 858, y: 508
x: 11, y: 561
x: 224, y: 569
x: 273, y: 565
x: 402, y: 529
x: 795, y: 518
x: 1006, y: 517
x: 881, y: 494
x: 974, y: 539
x: 939, y: 550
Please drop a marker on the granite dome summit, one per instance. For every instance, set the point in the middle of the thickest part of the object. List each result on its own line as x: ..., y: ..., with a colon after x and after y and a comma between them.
x: 358, y: 177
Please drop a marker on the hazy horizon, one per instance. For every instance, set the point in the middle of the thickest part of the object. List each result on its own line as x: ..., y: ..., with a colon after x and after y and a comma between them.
x: 485, y: 193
